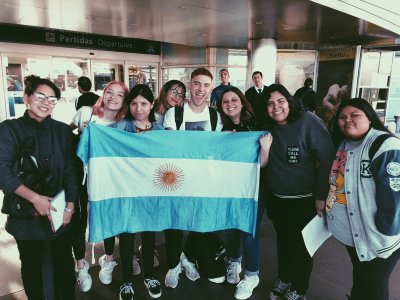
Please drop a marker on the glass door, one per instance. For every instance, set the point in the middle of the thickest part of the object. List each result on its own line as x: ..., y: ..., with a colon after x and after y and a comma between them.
x: 143, y: 74
x: 104, y: 72
x: 65, y: 73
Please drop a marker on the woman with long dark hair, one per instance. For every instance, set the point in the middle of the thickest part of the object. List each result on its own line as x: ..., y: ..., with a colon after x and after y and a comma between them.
x: 363, y: 208
x: 139, y: 119
x: 172, y: 93
x: 298, y: 165
x: 236, y: 115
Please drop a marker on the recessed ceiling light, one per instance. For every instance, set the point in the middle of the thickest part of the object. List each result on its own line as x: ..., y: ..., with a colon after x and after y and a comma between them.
x: 259, y: 23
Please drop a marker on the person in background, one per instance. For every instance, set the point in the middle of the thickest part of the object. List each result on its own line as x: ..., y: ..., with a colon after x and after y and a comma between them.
x: 54, y: 150
x: 363, y: 208
x: 172, y: 93
x: 140, y: 118
x: 236, y: 115
x: 257, y: 96
x: 307, y: 96
x: 295, y: 178
x: 216, y: 93
x: 108, y: 109
x: 87, y: 98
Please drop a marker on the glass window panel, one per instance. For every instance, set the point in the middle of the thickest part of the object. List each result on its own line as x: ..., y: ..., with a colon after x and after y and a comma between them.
x: 292, y: 68
x: 16, y: 69
x: 143, y: 74
x: 105, y: 72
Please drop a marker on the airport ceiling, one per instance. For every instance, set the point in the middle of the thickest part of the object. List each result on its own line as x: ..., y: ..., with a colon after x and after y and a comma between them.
x: 298, y: 24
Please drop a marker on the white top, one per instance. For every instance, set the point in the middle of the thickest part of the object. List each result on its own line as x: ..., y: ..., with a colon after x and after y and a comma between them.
x: 191, y: 120
x: 84, y: 115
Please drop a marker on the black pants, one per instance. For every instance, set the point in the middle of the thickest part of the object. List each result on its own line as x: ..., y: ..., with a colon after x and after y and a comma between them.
x: 126, y: 249
x: 289, y: 217
x: 31, y: 256
x: 79, y: 238
x: 371, y: 278
x: 173, y: 245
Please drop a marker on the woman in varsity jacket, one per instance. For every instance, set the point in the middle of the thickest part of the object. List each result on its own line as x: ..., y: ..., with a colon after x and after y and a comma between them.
x: 363, y: 207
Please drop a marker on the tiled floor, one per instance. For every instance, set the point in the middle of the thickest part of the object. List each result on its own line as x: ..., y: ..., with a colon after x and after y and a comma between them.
x: 331, y: 277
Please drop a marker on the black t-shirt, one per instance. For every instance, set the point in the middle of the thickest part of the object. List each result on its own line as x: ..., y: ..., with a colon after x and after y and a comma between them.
x: 86, y: 99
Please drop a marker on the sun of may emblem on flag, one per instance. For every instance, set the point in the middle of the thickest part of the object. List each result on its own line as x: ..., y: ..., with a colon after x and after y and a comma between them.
x: 168, y: 177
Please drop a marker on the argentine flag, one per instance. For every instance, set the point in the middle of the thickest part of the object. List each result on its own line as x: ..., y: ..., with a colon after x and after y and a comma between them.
x: 189, y: 180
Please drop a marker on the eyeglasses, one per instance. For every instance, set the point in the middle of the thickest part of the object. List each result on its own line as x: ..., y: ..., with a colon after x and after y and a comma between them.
x: 41, y: 97
x: 175, y: 93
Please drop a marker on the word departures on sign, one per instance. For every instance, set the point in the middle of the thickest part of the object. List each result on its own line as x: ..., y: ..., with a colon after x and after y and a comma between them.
x: 54, y: 37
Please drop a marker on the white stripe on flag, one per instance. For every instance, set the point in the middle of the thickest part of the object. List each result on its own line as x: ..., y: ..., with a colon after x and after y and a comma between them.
x: 117, y: 177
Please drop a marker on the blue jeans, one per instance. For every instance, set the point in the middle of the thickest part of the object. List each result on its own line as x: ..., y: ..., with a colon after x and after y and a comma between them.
x: 239, y: 242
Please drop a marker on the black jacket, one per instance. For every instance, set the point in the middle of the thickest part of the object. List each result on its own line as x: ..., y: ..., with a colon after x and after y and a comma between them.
x: 258, y: 102
x: 55, y: 152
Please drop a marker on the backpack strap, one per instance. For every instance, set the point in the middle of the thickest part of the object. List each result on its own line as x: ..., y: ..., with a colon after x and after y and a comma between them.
x: 213, y: 118
x: 376, y: 144
x: 178, y: 116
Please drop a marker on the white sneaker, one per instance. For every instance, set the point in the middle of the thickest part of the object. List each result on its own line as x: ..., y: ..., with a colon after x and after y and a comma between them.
x: 246, y: 286
x: 84, y: 278
x: 136, y: 266
x: 190, y: 268
x: 233, y: 272
x: 172, y: 277
x: 107, y: 268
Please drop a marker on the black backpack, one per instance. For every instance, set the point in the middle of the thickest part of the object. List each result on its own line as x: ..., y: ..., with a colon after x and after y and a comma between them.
x: 179, y: 117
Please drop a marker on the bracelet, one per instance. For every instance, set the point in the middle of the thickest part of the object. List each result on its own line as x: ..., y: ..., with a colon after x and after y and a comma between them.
x: 69, y: 210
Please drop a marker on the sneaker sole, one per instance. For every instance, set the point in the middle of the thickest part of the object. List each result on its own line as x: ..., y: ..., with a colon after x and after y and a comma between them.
x: 155, y: 295
x: 217, y: 279
x: 171, y: 286
x: 106, y: 282
x: 193, y: 279
x: 243, y: 297
x: 87, y: 289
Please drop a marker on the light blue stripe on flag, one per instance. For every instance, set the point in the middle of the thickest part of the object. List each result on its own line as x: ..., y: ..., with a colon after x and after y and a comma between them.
x: 199, y: 181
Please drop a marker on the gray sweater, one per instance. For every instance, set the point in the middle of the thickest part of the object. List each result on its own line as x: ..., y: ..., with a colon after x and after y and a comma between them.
x: 300, y: 158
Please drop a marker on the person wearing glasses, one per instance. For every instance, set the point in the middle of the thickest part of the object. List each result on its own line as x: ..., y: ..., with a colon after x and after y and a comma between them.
x: 108, y: 110
x: 53, y: 147
x: 171, y: 94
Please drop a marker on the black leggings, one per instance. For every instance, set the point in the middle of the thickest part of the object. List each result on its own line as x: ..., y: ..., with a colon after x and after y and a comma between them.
x: 79, y: 238
x: 289, y: 217
x: 126, y: 249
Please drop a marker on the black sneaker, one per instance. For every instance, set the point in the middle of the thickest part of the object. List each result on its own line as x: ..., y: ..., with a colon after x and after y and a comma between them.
x: 126, y: 292
x: 279, y: 290
x: 153, y: 286
x: 293, y: 295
